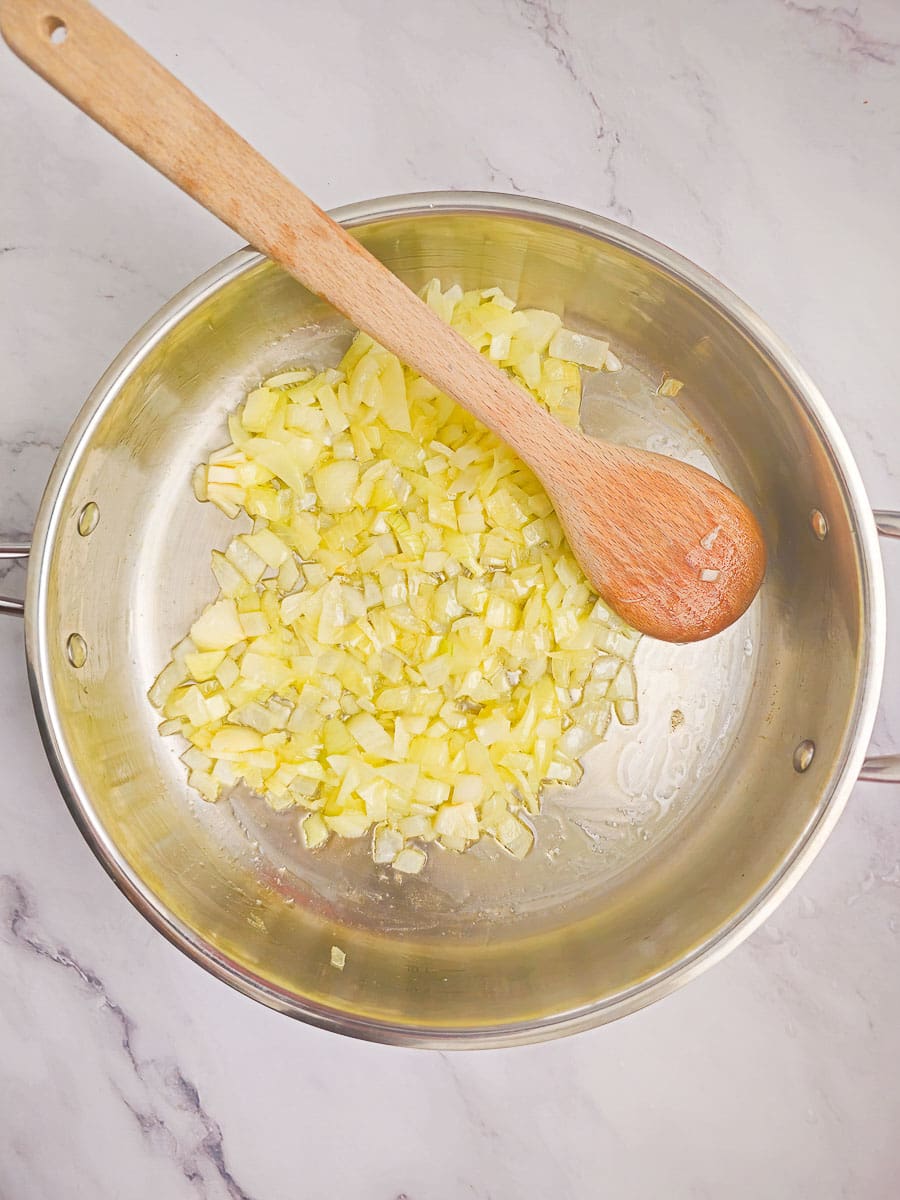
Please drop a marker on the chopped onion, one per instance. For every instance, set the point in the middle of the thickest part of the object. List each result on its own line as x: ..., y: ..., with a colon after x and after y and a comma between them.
x: 410, y: 861
x: 579, y: 348
x: 218, y: 627
x: 709, y: 539
x: 403, y: 646
x: 669, y: 387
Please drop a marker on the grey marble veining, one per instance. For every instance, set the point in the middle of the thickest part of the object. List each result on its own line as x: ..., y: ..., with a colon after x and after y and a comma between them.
x: 763, y: 141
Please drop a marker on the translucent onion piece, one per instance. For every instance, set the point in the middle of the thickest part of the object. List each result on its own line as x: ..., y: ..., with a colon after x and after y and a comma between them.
x: 669, y: 386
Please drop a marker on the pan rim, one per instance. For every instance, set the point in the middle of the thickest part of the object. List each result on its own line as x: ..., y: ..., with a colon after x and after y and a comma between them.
x: 797, y: 857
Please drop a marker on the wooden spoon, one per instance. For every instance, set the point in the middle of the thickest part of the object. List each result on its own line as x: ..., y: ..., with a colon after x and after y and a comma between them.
x: 672, y: 550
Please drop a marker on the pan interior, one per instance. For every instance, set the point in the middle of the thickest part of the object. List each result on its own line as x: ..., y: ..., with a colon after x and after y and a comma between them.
x: 679, y: 821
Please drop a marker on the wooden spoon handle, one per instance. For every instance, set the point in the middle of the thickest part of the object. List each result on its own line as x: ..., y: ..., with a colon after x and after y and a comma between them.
x: 635, y: 521
x: 117, y: 83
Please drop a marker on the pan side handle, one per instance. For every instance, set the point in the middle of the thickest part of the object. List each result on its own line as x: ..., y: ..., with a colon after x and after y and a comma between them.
x: 8, y: 551
x: 884, y: 768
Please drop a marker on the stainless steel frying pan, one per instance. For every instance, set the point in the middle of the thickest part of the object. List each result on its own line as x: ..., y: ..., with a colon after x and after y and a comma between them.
x: 687, y: 830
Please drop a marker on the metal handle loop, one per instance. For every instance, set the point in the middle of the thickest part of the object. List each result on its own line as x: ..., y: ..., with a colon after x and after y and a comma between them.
x: 884, y: 768
x: 8, y: 604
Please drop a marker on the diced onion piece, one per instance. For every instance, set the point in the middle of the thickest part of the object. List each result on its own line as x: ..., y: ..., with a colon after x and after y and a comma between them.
x: 624, y: 686
x: 579, y: 348
x: 245, y: 560
x: 372, y: 737
x: 270, y: 548
x: 349, y: 824
x: 287, y: 377
x: 338, y: 958
x: 259, y: 409
x: 387, y: 844
x: 235, y: 741
x: 196, y: 760
x: 202, y: 665
x: 409, y: 861
x: 515, y: 836
x: 458, y: 822
x: 335, y: 484
x: 314, y: 831
x: 198, y: 482
x: 218, y: 627
x: 669, y: 387
x: 231, y: 581
x: 500, y: 345
x: 539, y: 329
x: 204, y: 783
x: 169, y: 678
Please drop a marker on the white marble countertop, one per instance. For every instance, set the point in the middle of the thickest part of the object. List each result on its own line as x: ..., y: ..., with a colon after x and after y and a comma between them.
x: 763, y: 141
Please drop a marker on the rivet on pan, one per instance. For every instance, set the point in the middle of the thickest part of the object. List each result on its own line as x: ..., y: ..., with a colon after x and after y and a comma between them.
x: 803, y: 756
x: 88, y: 518
x: 76, y: 650
x: 819, y: 524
